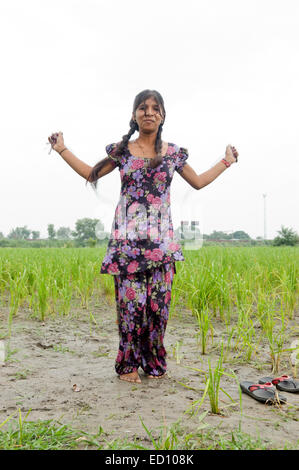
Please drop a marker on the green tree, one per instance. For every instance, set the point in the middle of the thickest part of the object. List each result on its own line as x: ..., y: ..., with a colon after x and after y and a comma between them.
x: 19, y: 233
x: 86, y: 228
x: 63, y: 233
x: 240, y: 235
x: 35, y: 234
x: 51, y: 232
x: 286, y: 236
x: 218, y: 235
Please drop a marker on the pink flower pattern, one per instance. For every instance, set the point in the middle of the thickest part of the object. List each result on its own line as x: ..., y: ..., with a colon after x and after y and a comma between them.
x: 149, y: 188
x: 143, y: 302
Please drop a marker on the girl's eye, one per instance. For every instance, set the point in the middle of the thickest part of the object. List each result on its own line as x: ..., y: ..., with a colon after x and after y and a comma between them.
x: 156, y: 109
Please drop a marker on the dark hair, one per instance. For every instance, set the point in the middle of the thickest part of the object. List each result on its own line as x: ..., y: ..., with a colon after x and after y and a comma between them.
x: 123, y: 144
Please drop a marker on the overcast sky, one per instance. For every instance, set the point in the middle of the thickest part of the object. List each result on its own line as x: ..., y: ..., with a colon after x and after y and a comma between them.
x: 228, y: 72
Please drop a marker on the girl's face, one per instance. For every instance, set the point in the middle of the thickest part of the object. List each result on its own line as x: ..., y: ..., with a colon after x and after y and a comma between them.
x: 148, y: 116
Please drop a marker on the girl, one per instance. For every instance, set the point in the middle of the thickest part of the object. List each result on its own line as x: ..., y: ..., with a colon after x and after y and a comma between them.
x: 142, y: 250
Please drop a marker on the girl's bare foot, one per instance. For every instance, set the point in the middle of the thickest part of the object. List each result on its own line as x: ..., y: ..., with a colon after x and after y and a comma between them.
x: 131, y: 377
x: 156, y: 376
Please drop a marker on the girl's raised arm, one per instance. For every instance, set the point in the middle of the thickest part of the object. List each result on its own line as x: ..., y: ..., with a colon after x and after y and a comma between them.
x: 202, y: 180
x: 57, y: 143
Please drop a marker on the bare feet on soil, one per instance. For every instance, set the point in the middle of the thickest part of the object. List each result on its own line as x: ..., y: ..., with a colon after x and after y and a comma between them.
x: 156, y: 376
x: 132, y: 377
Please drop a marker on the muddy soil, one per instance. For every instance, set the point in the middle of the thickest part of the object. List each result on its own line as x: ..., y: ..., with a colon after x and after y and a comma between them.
x: 44, y: 361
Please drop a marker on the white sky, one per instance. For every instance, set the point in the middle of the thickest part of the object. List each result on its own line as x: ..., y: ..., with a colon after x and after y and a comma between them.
x: 228, y: 72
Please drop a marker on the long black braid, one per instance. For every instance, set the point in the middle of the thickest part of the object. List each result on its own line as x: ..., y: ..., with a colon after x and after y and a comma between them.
x: 158, y: 149
x: 122, y: 146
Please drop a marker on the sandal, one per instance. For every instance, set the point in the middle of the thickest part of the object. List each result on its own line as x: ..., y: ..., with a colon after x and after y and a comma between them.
x: 284, y: 383
x: 265, y: 393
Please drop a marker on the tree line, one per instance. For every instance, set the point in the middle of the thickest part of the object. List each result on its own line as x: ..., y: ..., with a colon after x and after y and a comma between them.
x: 90, y: 232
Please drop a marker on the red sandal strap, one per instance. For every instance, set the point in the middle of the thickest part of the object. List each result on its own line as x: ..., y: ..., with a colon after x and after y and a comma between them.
x: 258, y: 386
x: 280, y: 379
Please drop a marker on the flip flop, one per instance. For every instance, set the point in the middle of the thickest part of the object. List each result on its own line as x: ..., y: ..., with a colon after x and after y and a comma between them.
x: 265, y: 393
x: 284, y: 383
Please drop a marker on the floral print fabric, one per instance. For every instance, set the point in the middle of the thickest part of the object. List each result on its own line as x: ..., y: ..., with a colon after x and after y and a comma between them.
x: 143, y: 302
x: 142, y: 235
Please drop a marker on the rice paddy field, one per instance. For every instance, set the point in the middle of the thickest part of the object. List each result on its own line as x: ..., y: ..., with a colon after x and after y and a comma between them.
x: 234, y: 317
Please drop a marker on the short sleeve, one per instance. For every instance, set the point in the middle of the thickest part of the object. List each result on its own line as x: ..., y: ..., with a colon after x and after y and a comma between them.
x: 181, y: 158
x: 110, y: 150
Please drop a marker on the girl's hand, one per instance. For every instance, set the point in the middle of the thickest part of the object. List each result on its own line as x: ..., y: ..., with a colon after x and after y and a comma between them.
x: 56, y: 141
x: 231, y: 154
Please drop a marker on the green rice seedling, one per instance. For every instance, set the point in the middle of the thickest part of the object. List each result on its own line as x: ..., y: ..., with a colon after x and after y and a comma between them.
x: 288, y: 278
x: 240, y: 398
x: 249, y: 346
x: 241, y: 286
x: 107, y: 288
x: 66, y: 292
x: 54, y: 292
x: 201, y: 286
x: 173, y: 437
x: 85, y: 283
x: 21, y: 422
x: 3, y: 277
x: 216, y: 277
x: 41, y: 290
x: 9, y: 352
x: 22, y: 374
x: 274, y: 329
x: 198, y: 301
x: 43, y: 294
x: 176, y: 351
x: 222, y: 292
x: 230, y: 334
x: 62, y: 349
x: 17, y: 294
x: 196, y: 405
x: 42, y: 435
x: 7, y: 419
x: 212, y: 387
x: 267, y: 324
x: 13, y: 305
x: 261, y: 301
x: 168, y: 438
x: 205, y: 326
x: 92, y: 321
x: 213, y: 383
x: 294, y: 356
x: 247, y: 341
x: 179, y: 290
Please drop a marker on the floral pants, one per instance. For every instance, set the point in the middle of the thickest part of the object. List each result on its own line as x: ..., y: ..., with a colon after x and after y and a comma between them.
x: 142, y: 304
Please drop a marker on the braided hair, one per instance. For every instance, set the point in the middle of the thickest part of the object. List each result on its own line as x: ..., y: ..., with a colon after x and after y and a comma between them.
x: 122, y: 146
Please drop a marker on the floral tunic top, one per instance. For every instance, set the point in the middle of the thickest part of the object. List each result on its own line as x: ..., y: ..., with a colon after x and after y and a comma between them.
x: 142, y: 234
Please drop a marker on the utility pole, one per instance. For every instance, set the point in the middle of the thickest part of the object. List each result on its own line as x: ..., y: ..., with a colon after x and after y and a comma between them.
x: 265, y: 234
